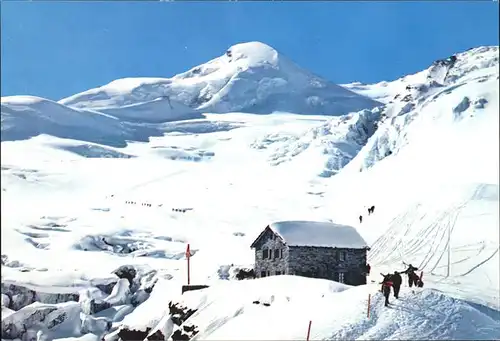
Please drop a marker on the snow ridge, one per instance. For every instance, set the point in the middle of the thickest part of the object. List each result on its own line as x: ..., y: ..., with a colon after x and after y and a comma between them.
x: 472, y: 74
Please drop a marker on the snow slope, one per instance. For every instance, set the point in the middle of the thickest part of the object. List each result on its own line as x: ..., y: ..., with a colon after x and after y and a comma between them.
x: 250, y: 77
x: 292, y: 304
x: 75, y: 210
x: 447, y: 144
x: 154, y: 111
x: 24, y: 117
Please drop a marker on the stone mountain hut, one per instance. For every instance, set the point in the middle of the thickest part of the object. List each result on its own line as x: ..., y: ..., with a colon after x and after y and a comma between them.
x: 311, y: 249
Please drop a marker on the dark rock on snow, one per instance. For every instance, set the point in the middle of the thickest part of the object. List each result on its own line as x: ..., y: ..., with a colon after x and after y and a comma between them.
x: 126, y: 271
x: 106, y: 288
x: 156, y: 336
x: 245, y: 273
x: 179, y: 315
x: 133, y: 335
x: 178, y: 335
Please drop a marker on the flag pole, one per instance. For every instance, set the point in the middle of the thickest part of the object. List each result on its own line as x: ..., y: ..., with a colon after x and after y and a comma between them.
x: 188, y: 256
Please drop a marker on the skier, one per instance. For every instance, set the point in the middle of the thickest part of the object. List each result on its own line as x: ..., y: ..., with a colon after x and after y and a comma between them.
x: 396, y: 283
x: 415, y: 279
x: 412, y: 276
x: 360, y: 219
x: 386, y: 288
x: 368, y: 268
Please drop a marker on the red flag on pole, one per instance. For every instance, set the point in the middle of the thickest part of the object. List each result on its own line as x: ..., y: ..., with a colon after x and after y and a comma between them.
x: 188, y: 252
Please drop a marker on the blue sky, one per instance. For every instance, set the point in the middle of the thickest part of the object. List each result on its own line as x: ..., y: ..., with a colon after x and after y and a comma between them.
x: 55, y: 49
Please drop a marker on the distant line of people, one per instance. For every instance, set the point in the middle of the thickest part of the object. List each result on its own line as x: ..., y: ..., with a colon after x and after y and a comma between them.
x: 394, y: 280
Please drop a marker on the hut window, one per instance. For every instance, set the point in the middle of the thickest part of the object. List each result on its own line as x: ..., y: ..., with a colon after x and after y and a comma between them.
x: 265, y: 254
x: 277, y: 253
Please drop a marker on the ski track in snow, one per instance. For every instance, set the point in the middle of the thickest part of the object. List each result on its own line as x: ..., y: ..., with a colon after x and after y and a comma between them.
x: 76, y: 208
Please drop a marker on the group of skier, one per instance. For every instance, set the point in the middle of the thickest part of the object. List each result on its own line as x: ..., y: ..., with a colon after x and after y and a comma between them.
x: 394, y: 280
x: 371, y: 209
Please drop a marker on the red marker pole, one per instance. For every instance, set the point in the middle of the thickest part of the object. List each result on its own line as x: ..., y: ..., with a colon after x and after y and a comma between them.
x: 188, y: 256
x: 309, y: 330
x: 368, y: 309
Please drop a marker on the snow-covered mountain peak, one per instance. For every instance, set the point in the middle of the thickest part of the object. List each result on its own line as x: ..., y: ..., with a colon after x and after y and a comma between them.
x: 249, y: 77
x: 255, y: 53
x: 480, y: 62
x: 238, y: 58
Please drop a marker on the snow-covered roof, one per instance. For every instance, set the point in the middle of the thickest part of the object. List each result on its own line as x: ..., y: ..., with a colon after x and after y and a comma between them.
x: 321, y: 234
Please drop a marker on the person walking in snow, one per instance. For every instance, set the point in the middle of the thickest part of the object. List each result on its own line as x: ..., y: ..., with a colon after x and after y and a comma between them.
x: 412, y: 276
x: 368, y: 268
x: 386, y: 288
x: 413, y: 279
x: 396, y: 283
x: 360, y: 219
